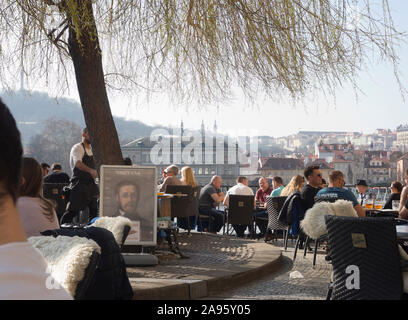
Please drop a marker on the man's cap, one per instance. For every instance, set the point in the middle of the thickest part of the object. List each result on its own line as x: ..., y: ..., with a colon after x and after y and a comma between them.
x: 172, y: 168
x: 361, y: 183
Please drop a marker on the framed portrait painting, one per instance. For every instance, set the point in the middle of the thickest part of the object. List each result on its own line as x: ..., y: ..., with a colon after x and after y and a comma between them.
x: 130, y: 191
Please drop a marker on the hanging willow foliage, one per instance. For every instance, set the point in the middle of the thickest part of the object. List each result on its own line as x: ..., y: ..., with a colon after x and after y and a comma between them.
x: 200, y: 49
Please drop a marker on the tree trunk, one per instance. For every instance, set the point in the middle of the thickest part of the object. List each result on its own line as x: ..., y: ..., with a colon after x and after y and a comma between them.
x: 87, y: 58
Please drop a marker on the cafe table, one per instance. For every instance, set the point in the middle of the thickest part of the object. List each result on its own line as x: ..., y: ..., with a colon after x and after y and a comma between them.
x: 165, y: 223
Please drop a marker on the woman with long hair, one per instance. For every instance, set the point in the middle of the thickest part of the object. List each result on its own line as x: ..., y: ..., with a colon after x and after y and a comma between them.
x: 37, y: 214
x: 187, y: 178
x: 295, y: 184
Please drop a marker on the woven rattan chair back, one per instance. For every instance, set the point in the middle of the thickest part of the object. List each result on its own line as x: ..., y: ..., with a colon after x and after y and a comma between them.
x: 365, y: 258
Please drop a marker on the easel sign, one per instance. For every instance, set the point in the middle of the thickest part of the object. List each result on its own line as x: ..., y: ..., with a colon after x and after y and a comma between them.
x: 130, y: 191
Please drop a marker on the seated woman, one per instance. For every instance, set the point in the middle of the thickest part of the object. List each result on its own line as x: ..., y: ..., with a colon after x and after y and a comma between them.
x: 295, y: 184
x: 187, y: 178
x: 396, y: 188
x: 37, y: 214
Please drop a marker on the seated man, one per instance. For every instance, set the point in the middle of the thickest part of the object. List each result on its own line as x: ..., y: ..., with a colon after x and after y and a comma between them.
x: 264, y: 190
x: 241, y: 188
x: 24, y: 272
x: 210, y: 197
x: 170, y: 178
x: 336, y: 191
x: 57, y: 176
x: 277, y: 183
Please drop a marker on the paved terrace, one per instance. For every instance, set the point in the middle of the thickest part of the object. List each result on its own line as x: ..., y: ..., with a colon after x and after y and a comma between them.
x: 219, y: 266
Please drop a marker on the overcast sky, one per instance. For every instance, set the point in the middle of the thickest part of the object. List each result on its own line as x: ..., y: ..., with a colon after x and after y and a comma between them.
x: 380, y: 106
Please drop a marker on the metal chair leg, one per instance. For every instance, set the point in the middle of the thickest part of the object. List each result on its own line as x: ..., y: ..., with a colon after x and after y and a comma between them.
x: 296, y: 248
x: 286, y: 238
x: 305, y: 248
x: 315, y: 251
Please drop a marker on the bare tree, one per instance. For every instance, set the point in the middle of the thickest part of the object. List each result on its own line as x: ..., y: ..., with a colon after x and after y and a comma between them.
x: 196, y: 50
x: 55, y: 141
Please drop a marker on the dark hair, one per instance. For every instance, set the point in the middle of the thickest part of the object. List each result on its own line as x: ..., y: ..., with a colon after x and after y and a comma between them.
x: 56, y: 166
x: 11, y: 154
x: 125, y: 183
x: 309, y: 170
x: 277, y: 179
x: 85, y: 130
x: 397, y: 185
x: 127, y: 161
x: 241, y: 179
x: 32, y: 187
x: 44, y: 165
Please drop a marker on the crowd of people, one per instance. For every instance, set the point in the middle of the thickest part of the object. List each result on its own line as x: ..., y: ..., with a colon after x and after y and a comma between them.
x: 25, y: 212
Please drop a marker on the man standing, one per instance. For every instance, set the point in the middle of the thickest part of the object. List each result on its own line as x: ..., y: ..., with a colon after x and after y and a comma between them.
x: 277, y: 186
x: 170, y: 178
x: 362, y: 189
x: 84, y: 191
x: 241, y: 188
x: 127, y: 198
x: 57, y: 176
x: 336, y: 191
x: 210, y: 197
x: 313, y: 177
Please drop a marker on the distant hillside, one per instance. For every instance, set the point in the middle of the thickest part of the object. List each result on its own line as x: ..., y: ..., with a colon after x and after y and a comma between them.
x: 30, y: 109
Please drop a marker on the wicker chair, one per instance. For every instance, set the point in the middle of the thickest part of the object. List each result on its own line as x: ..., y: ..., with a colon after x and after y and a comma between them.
x: 241, y: 211
x: 273, y: 206
x: 371, y: 245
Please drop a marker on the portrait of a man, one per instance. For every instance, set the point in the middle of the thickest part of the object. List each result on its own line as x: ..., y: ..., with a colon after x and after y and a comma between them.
x: 130, y: 192
x: 127, y: 196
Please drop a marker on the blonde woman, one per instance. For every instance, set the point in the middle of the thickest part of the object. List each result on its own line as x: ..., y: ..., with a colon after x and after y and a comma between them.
x: 295, y: 184
x: 187, y: 177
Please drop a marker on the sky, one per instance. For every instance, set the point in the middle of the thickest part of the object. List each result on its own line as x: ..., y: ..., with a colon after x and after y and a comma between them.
x: 379, y: 106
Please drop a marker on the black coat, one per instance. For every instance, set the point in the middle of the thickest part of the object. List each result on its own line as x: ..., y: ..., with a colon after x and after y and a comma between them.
x: 110, y: 280
x: 286, y: 213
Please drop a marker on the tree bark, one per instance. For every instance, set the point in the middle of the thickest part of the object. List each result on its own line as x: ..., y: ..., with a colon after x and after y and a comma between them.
x: 87, y: 58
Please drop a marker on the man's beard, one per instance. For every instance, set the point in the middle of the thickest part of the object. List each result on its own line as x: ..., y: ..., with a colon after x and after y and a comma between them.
x: 87, y: 141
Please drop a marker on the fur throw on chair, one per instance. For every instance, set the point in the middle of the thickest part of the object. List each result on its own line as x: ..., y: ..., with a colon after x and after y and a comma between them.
x: 114, y: 225
x: 314, y: 225
x: 67, y: 258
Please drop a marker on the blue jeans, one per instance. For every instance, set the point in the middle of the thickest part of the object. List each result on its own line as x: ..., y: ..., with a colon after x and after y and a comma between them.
x: 216, y: 216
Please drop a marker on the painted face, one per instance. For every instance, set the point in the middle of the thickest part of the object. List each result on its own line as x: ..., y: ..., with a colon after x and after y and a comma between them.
x: 127, y: 198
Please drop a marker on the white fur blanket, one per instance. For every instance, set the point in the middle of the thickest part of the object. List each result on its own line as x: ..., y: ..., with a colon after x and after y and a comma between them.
x: 114, y: 225
x: 67, y: 258
x: 314, y: 225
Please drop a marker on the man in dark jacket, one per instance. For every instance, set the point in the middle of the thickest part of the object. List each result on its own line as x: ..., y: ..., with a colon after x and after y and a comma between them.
x: 57, y: 176
x: 313, y: 177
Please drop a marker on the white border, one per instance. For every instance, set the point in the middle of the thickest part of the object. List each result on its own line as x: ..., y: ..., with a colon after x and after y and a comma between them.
x: 130, y: 168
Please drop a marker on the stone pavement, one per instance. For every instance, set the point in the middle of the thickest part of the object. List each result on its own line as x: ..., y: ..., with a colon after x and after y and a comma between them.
x: 280, y: 285
x: 226, y: 267
x: 216, y: 263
